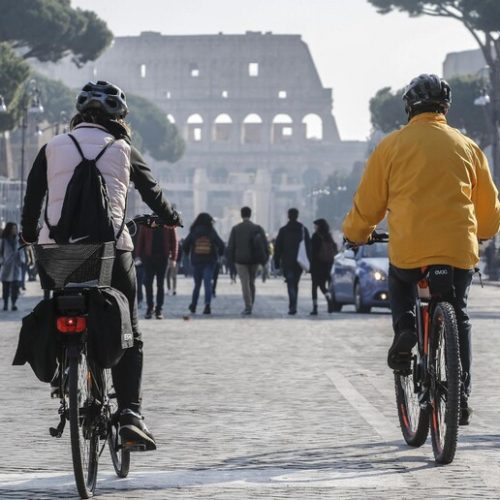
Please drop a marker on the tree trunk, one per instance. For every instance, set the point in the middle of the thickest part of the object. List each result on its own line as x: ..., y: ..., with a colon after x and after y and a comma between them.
x: 494, y: 116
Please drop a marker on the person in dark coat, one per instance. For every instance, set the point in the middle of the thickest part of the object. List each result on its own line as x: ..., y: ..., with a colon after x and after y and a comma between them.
x: 248, y: 248
x: 204, y: 246
x: 286, y: 250
x: 323, y: 250
x: 155, y: 245
x: 11, y: 262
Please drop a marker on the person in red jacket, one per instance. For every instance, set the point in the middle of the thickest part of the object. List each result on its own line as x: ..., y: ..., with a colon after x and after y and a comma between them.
x: 155, y: 245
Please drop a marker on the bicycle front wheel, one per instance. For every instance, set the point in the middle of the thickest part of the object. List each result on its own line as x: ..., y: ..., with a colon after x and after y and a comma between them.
x: 83, y: 428
x: 445, y: 374
x: 413, y: 419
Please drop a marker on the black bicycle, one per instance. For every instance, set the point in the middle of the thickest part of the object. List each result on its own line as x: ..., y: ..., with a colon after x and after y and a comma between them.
x: 428, y: 393
x: 87, y: 398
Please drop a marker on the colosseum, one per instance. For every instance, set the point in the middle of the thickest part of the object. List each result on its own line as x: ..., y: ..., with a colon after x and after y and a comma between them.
x: 256, y: 118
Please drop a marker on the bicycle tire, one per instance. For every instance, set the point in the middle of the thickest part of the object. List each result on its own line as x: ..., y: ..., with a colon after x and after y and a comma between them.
x: 119, y: 457
x: 413, y: 419
x: 84, y: 435
x: 445, y: 412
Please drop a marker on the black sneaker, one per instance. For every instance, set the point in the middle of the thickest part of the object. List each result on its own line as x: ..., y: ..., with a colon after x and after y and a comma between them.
x: 399, y: 355
x: 465, y: 414
x: 134, y: 434
x: 192, y: 308
x: 207, y: 309
x: 158, y: 315
x: 149, y: 314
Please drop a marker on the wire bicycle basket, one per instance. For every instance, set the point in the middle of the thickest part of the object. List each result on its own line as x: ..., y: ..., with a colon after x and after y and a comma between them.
x: 60, y: 266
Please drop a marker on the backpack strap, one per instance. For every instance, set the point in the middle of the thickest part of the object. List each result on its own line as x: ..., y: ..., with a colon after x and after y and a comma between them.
x: 77, y: 144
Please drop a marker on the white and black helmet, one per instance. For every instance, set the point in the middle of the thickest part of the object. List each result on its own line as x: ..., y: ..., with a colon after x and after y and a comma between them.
x: 425, y: 90
x: 103, y: 96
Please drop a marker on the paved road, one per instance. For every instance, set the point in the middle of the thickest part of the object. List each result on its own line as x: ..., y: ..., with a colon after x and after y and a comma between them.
x: 262, y: 408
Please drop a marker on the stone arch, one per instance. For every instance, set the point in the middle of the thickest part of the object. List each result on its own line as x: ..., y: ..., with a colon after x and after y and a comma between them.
x: 313, y: 125
x: 281, y: 129
x: 195, y: 128
x: 222, y: 128
x: 251, y: 129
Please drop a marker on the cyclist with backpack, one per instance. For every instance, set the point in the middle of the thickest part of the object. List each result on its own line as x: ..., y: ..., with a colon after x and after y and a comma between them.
x: 85, y: 176
x: 323, y: 250
x: 204, y: 246
x: 435, y: 185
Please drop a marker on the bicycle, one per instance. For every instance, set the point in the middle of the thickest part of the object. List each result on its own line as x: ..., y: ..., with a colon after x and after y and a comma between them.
x: 87, y: 398
x: 428, y: 393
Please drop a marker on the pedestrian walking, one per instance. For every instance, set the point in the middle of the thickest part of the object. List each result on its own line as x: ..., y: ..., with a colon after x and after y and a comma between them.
x: 173, y: 269
x: 323, y: 250
x: 11, y: 261
x: 248, y: 249
x: 155, y: 245
x: 204, y: 247
x: 286, y: 253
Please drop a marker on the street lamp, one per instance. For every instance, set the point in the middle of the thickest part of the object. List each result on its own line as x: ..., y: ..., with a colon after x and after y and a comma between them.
x: 32, y: 105
x: 3, y: 107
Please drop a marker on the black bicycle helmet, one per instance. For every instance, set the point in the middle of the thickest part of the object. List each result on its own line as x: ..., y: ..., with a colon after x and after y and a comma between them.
x: 103, y: 96
x: 427, y: 90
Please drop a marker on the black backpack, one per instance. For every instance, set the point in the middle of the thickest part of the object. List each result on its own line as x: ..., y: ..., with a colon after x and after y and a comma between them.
x: 86, y: 213
x: 259, y: 248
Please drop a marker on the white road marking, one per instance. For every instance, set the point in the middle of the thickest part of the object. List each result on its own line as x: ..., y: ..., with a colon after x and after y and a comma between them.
x: 385, y: 428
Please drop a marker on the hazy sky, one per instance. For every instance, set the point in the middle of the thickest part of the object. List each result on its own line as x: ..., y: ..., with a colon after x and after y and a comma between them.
x: 356, y: 50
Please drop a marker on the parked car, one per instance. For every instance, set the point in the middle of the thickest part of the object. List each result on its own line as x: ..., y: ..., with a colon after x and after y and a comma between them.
x: 359, y: 277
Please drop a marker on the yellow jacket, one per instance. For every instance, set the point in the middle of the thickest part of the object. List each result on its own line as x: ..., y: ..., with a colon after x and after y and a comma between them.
x: 436, y: 188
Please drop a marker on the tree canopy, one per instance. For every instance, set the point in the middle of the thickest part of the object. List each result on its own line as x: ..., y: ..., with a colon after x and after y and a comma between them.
x: 46, y: 30
x: 387, y: 109
x: 50, y: 29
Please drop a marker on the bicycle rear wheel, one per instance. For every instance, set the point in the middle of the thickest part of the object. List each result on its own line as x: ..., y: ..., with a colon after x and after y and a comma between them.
x: 445, y: 382
x: 83, y: 425
x: 413, y: 419
x: 119, y: 456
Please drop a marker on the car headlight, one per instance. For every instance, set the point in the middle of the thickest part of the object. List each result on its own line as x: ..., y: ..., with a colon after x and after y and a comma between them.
x: 378, y: 275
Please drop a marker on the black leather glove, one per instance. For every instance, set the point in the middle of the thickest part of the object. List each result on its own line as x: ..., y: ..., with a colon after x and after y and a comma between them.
x: 174, y: 219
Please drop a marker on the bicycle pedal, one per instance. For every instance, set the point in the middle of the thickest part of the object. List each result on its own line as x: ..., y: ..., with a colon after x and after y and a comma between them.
x: 54, y: 432
x: 133, y: 446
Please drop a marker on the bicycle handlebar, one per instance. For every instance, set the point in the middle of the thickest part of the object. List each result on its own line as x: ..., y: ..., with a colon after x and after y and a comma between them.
x: 376, y: 237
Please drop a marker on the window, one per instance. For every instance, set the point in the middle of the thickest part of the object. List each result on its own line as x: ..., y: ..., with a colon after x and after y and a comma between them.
x: 253, y: 69
x: 251, y: 131
x: 171, y: 118
x: 224, y: 94
x: 222, y: 128
x: 194, y: 71
x: 282, y: 129
x: 282, y: 94
x: 143, y: 71
x: 168, y: 94
x: 313, y: 125
x: 194, y: 128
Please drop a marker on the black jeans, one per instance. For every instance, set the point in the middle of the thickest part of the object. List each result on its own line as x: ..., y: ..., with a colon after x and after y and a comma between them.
x: 320, y: 276
x: 127, y: 374
x: 292, y: 277
x: 10, y: 289
x: 402, y: 297
x: 155, y: 267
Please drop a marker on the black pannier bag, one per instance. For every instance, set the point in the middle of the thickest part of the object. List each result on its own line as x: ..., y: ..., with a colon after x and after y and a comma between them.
x: 109, y: 326
x: 38, y: 342
x: 441, y: 280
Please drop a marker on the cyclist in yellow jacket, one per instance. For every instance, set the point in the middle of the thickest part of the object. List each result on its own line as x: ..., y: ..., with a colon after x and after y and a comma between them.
x: 435, y: 187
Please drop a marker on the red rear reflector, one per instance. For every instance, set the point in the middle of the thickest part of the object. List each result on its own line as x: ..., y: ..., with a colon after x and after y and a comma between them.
x: 71, y: 324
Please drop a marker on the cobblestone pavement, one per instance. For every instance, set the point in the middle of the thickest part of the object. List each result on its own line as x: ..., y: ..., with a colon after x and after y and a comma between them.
x: 261, y: 408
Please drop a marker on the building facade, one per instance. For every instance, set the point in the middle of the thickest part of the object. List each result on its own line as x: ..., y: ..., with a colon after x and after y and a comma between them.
x: 256, y: 118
